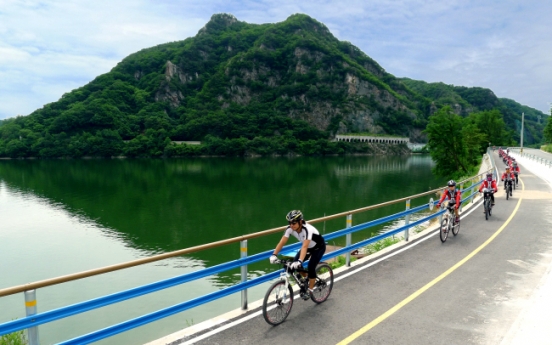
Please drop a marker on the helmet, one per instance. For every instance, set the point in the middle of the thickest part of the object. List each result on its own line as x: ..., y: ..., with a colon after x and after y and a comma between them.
x: 515, y: 163
x: 451, y: 183
x: 507, y: 168
x: 294, y: 215
x: 489, y: 177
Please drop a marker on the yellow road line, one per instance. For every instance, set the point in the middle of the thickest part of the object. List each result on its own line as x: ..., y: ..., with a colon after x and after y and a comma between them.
x: 410, y: 298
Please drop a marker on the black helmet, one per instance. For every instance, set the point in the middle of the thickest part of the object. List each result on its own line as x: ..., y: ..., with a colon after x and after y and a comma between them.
x: 294, y: 215
x: 489, y: 177
x: 451, y: 183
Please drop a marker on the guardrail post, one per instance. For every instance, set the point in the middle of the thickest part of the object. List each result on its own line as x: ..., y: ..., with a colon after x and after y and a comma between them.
x: 243, y: 254
x: 348, y: 240
x: 30, y: 309
x: 407, y: 221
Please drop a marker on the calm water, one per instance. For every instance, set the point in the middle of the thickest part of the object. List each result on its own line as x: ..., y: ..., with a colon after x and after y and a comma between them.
x: 64, y: 216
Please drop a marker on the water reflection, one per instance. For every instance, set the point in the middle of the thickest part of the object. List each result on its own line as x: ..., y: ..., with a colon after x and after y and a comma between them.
x: 157, y: 206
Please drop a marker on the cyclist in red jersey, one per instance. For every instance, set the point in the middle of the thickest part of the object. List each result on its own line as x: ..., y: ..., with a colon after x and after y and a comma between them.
x: 507, y: 174
x: 491, y: 184
x: 454, y: 195
x: 515, y: 170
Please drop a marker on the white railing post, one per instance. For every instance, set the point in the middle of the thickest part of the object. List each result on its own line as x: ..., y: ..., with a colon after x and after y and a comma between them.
x: 30, y: 310
x: 243, y: 254
x: 407, y: 221
x: 348, y: 239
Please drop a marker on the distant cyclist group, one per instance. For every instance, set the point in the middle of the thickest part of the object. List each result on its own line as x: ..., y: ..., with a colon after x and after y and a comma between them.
x: 510, y: 177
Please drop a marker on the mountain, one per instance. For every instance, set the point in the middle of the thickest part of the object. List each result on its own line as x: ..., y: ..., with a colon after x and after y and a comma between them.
x: 465, y: 100
x: 239, y: 88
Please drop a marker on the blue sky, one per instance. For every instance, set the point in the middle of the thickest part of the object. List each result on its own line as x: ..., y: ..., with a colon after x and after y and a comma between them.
x: 48, y: 48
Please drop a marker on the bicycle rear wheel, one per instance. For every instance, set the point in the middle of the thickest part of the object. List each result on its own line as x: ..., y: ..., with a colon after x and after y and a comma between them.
x: 324, y: 283
x: 277, y: 303
x: 443, y: 231
x: 456, y: 227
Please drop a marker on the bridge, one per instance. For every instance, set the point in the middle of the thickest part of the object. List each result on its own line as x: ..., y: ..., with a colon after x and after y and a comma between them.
x: 372, y: 139
x: 471, y: 289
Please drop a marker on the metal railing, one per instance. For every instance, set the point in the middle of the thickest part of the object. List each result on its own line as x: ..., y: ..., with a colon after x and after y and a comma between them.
x: 544, y: 161
x: 33, y: 319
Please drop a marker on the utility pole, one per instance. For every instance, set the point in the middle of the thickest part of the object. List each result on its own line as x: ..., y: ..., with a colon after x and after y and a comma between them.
x: 522, y: 119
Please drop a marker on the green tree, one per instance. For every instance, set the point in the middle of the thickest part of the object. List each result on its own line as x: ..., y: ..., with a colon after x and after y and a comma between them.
x: 548, y: 129
x: 446, y: 143
x: 491, y: 124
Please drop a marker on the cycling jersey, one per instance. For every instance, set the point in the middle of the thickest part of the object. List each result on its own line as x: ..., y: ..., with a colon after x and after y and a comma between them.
x: 452, y: 195
x: 516, y: 169
x: 488, y: 184
x: 512, y: 176
x: 308, y: 232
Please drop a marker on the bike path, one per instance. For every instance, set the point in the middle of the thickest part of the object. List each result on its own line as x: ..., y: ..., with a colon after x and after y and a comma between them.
x: 470, y: 299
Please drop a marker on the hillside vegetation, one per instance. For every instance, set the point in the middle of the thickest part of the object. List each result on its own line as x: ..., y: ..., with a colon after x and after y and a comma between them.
x: 244, y: 89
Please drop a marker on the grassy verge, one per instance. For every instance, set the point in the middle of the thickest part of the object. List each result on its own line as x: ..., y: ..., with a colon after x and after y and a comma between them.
x: 547, y: 148
x: 340, y: 261
x: 15, y: 338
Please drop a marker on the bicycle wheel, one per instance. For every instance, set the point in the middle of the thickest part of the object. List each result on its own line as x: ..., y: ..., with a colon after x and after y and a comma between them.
x: 324, y: 283
x: 456, y: 228
x: 486, y: 207
x: 443, y: 231
x: 507, y: 193
x: 277, y: 303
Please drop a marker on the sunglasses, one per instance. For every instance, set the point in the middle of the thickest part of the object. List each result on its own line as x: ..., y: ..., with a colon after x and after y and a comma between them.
x: 293, y: 222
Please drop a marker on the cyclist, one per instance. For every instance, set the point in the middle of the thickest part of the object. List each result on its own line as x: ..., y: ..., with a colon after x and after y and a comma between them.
x: 515, y: 170
x: 453, y: 194
x: 313, y: 247
x: 491, y: 184
x: 507, y: 174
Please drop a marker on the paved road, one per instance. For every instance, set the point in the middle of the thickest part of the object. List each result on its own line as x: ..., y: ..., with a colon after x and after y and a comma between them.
x: 474, y: 299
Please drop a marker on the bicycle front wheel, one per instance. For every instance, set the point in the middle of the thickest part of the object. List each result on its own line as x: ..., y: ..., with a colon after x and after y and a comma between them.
x: 486, y: 206
x: 324, y: 283
x: 507, y: 193
x: 443, y: 231
x: 277, y: 303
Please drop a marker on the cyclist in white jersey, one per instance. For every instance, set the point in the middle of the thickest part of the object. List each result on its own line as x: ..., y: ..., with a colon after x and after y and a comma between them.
x: 313, y: 247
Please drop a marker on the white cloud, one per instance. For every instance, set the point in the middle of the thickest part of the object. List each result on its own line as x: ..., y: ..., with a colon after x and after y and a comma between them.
x: 50, y: 47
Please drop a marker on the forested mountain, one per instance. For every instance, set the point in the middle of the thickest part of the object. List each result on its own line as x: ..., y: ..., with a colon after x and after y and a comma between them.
x: 240, y: 89
x: 466, y: 100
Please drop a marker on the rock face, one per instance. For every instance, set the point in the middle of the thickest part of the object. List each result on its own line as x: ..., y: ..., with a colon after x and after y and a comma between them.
x: 297, y: 68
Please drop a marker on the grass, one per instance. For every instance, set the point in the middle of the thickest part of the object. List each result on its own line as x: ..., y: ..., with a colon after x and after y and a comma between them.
x: 547, y: 148
x: 15, y: 338
x: 379, y: 245
x: 340, y: 261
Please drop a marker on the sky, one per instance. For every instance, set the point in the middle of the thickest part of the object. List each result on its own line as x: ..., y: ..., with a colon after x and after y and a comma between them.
x: 48, y: 48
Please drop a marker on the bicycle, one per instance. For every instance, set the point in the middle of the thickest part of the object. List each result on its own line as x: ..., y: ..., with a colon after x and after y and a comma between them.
x: 487, y: 202
x: 508, y: 187
x: 449, y: 223
x: 278, y: 300
x: 516, y: 175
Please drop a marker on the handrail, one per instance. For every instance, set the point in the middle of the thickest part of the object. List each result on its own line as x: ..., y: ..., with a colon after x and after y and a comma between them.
x: 97, y: 271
